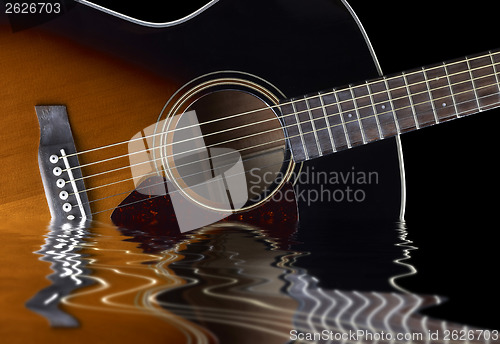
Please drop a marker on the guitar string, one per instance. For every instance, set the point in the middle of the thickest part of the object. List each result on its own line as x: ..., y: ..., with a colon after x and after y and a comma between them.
x: 183, y: 165
x: 490, y: 54
x: 340, y: 113
x: 280, y: 162
x: 175, y: 191
x: 275, y: 141
x: 292, y: 114
x: 162, y: 195
x: 430, y: 100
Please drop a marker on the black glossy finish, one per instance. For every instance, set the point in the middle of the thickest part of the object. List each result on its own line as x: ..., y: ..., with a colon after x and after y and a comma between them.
x: 298, y: 46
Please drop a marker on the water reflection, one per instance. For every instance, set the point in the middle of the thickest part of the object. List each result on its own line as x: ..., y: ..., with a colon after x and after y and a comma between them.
x: 241, y: 287
x: 62, y: 249
x: 241, y: 283
x: 406, y: 246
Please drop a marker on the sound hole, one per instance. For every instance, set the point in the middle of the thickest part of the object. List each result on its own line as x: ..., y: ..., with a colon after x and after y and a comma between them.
x: 228, y: 150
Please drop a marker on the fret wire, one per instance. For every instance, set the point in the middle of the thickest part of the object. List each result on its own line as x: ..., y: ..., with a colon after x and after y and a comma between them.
x: 457, y: 83
x: 336, y: 125
x: 451, y: 63
x: 429, y: 69
x: 306, y: 152
x: 323, y: 108
x: 375, y: 115
x: 417, y: 125
x: 342, y: 120
x: 417, y: 83
x: 473, y: 84
x: 320, y: 151
x: 467, y: 101
x: 432, y: 68
x: 405, y: 107
x: 451, y: 90
x: 357, y: 115
x: 377, y: 121
x: 430, y: 95
x: 494, y: 70
x: 392, y: 105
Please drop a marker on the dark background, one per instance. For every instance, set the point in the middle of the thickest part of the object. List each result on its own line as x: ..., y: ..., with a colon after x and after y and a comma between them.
x: 452, y: 183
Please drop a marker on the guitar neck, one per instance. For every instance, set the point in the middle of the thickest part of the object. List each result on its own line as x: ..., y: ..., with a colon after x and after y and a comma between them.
x: 338, y: 119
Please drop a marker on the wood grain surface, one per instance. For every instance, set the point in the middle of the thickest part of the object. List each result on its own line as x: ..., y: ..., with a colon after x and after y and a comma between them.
x: 107, y: 101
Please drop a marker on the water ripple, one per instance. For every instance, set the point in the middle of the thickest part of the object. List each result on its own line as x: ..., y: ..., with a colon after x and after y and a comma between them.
x: 224, y: 283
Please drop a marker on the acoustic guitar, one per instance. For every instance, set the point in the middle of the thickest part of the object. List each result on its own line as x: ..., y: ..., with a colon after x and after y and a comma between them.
x: 101, y: 110
x: 198, y: 117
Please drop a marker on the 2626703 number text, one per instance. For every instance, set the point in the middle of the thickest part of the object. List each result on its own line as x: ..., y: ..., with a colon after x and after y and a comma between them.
x: 32, y: 8
x: 469, y: 335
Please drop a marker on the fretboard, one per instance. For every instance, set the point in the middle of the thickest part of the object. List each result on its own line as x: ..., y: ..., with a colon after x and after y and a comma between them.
x: 338, y: 119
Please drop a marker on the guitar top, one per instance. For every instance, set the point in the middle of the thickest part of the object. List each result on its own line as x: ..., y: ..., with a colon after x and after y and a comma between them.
x: 115, y: 77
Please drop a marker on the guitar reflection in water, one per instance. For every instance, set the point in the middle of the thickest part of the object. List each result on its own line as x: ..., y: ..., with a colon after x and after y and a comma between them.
x: 254, y: 280
x: 248, y: 282
x: 62, y: 249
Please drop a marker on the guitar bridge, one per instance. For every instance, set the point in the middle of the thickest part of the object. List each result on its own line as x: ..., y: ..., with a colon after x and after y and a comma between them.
x: 59, y: 166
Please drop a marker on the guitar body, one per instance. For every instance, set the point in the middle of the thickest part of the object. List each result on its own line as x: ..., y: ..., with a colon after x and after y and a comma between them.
x: 115, y: 77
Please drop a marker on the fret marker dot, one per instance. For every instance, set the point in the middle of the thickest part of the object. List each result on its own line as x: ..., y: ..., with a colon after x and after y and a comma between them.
x: 383, y: 107
x: 349, y: 115
x: 444, y: 104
